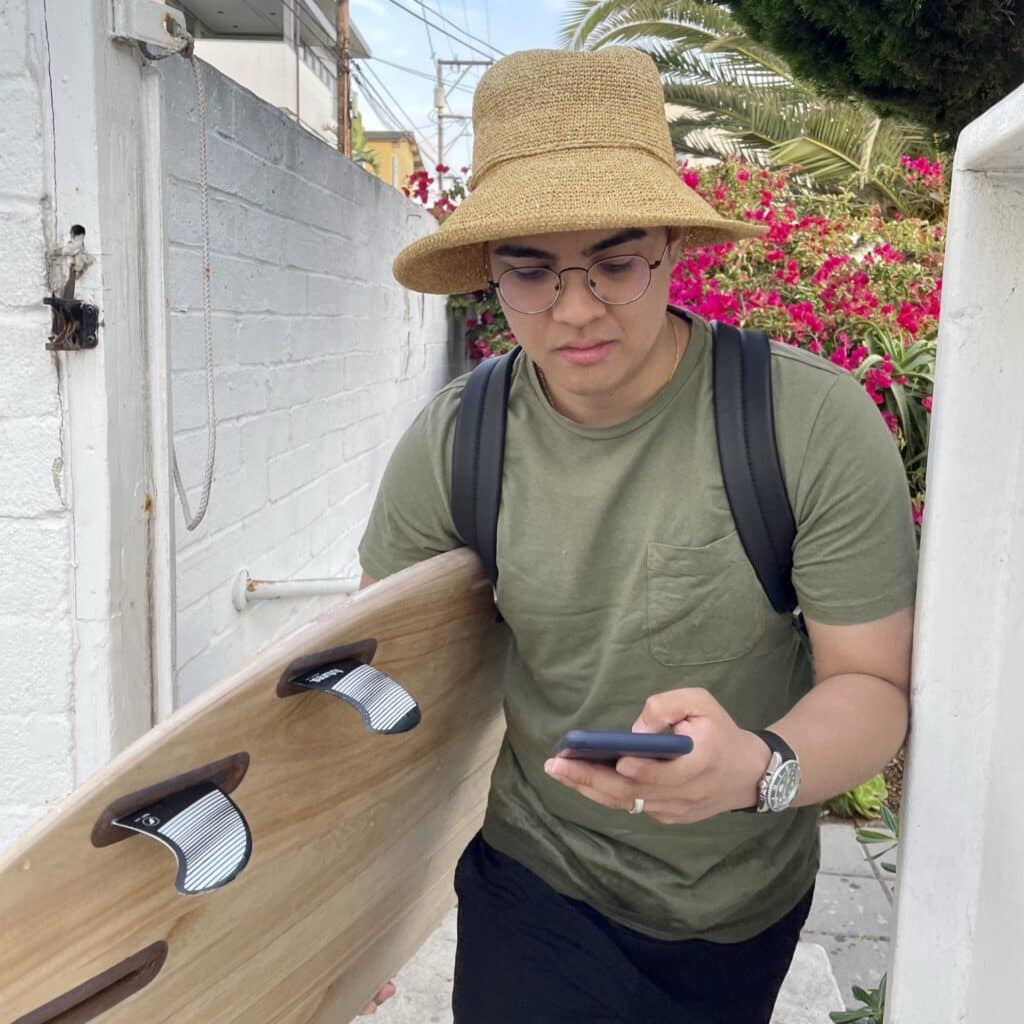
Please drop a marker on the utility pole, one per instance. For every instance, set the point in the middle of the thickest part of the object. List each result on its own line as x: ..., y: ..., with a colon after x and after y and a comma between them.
x: 439, y: 104
x: 439, y: 107
x: 441, y: 101
x: 343, y: 76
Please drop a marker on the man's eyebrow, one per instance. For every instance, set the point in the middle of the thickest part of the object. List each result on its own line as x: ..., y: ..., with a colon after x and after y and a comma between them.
x: 530, y: 252
x: 626, y: 235
x: 523, y: 251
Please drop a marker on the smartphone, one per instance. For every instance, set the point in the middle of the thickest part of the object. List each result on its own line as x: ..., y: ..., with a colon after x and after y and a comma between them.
x: 608, y: 747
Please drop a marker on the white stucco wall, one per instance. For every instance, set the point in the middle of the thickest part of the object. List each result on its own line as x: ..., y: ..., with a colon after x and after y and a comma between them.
x: 960, y: 913
x: 322, y: 360
x: 36, y: 630
x: 74, y: 490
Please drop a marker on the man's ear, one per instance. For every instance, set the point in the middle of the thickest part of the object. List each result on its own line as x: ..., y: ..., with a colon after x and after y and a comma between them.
x: 675, y: 243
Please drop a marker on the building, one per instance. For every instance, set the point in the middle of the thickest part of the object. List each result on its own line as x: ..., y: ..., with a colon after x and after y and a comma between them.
x: 398, y: 156
x: 281, y: 50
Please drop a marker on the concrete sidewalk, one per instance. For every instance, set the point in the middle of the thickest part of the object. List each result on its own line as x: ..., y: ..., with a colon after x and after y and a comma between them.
x: 851, y: 914
x: 845, y: 943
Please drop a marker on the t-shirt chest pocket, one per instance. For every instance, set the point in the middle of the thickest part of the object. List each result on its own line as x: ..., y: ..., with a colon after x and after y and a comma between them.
x: 704, y: 604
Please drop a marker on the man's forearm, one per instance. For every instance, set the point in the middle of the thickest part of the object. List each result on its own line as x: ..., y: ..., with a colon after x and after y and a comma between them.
x: 845, y: 730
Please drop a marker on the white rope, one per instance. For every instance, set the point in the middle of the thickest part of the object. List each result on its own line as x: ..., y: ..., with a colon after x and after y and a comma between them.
x: 191, y: 522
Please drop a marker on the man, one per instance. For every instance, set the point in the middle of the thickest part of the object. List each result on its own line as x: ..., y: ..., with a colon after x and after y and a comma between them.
x: 612, y: 894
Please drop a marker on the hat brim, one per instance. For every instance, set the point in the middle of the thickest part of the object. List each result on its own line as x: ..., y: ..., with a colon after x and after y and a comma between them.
x: 565, y: 190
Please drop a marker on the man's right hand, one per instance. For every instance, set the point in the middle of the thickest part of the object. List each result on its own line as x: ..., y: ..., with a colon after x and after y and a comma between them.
x: 386, y: 992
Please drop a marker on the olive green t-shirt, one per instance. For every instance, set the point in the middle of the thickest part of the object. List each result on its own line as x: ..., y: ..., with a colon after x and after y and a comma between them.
x: 621, y: 575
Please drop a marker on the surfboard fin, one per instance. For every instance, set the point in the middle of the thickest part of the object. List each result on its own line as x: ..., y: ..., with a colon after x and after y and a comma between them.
x: 204, y: 829
x: 383, y: 704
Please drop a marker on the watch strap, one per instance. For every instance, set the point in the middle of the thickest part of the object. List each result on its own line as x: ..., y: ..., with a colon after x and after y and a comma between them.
x: 777, y: 745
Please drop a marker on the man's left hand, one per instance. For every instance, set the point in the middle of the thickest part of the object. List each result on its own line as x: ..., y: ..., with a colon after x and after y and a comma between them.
x: 720, y: 774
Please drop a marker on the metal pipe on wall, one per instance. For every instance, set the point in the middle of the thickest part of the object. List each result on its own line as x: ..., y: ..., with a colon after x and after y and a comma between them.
x: 247, y: 590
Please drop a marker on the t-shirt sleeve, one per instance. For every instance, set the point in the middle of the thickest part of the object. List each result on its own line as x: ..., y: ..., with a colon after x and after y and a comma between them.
x: 855, y: 554
x: 411, y: 516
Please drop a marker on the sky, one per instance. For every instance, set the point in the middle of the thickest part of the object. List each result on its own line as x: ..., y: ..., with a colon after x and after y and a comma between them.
x: 397, y: 36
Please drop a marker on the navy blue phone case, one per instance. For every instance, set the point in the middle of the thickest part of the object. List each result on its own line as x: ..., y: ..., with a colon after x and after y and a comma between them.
x: 608, y: 747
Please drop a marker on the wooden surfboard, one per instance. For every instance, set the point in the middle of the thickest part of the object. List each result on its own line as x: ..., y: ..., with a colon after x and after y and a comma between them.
x: 277, y: 848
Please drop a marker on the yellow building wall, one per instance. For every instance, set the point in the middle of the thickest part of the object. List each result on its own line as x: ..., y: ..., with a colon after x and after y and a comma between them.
x: 396, y: 159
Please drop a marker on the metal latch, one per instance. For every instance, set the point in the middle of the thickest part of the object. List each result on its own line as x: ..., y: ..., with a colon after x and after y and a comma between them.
x: 75, y: 323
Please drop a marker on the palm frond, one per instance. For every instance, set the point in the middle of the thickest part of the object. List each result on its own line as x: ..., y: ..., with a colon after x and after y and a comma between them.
x: 742, y: 98
x: 830, y: 145
x: 756, y: 116
x: 715, y: 145
x: 696, y: 66
x: 650, y: 28
x: 686, y: 123
x: 583, y: 16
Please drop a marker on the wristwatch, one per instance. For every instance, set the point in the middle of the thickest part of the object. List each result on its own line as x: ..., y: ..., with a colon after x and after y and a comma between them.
x: 781, y: 781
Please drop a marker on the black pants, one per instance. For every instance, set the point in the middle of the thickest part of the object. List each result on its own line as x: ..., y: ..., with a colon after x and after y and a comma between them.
x: 528, y: 955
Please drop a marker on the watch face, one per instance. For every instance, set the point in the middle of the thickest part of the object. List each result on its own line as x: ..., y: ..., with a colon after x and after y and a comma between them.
x: 782, y: 789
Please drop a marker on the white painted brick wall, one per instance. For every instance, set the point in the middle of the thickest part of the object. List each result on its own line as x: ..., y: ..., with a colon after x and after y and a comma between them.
x: 321, y: 361
x: 36, y: 634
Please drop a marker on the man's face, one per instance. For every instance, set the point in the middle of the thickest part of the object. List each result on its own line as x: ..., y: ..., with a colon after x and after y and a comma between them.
x: 583, y: 345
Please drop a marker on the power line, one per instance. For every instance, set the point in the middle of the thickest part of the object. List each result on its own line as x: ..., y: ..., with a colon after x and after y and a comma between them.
x: 461, y: 134
x: 458, y: 28
x: 439, y: 12
x: 430, y: 40
x: 314, y: 28
x: 386, y: 114
x: 418, y: 74
x: 380, y: 108
x: 444, y: 32
x: 409, y: 120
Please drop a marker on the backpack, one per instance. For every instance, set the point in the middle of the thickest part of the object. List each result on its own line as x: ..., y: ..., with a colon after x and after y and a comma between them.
x: 747, y: 453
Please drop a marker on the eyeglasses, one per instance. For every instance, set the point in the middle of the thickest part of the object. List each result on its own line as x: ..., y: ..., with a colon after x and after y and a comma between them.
x: 613, y: 280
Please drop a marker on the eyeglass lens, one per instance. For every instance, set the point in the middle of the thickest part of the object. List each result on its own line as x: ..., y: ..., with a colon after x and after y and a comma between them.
x: 615, y: 281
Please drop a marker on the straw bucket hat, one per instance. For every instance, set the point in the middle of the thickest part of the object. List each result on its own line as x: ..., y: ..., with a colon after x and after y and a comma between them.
x: 564, y: 141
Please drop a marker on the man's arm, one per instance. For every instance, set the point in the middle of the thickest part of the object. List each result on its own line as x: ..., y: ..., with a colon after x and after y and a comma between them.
x: 844, y: 731
x: 855, y: 718
x: 366, y: 581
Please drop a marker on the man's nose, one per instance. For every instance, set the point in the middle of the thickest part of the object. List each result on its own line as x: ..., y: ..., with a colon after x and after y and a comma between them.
x: 576, y: 303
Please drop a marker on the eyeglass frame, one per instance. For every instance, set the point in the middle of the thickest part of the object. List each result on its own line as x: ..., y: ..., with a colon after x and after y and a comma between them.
x: 651, y: 267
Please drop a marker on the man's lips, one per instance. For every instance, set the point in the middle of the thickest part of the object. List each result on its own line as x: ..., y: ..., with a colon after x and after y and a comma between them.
x: 584, y: 351
x: 584, y: 343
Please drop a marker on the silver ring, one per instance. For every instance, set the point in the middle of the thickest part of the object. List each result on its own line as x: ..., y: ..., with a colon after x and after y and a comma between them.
x: 638, y: 805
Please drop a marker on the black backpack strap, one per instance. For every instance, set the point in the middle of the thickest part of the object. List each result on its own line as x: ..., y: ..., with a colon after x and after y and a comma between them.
x: 749, y: 457
x: 478, y: 457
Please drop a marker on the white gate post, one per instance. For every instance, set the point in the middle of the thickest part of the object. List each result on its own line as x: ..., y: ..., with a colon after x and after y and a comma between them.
x: 98, y: 175
x: 959, y: 927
